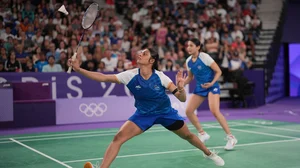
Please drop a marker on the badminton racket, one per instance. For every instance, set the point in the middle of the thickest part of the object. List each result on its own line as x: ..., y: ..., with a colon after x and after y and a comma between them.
x: 88, y: 19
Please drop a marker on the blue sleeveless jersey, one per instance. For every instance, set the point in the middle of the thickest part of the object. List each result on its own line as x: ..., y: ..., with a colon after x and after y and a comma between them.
x: 150, y: 95
x: 202, y: 73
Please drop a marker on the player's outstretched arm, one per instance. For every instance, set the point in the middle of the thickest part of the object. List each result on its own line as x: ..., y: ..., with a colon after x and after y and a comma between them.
x: 92, y: 75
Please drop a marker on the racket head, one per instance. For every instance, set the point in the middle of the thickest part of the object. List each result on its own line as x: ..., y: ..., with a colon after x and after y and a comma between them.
x: 90, y: 16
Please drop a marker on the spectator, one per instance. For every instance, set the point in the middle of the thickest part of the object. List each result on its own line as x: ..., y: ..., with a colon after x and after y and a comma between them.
x: 52, y: 66
x: 120, y: 66
x: 110, y: 62
x: 29, y: 67
x: 40, y: 63
x: 3, y: 54
x: 12, y: 64
x: 53, y: 52
x: 31, y: 29
x: 2, y: 67
x: 169, y: 66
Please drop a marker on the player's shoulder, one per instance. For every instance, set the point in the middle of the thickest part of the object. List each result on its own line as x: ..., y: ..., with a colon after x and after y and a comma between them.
x: 134, y: 71
x: 189, y: 58
x: 159, y: 73
x: 206, y: 58
x: 204, y: 55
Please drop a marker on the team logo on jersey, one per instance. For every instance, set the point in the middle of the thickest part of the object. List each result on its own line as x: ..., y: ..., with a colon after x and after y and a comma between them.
x: 156, y: 87
x: 138, y: 87
x: 199, y: 67
x: 215, y: 89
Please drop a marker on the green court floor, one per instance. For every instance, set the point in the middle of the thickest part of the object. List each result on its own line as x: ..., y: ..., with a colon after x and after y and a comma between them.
x: 262, y: 144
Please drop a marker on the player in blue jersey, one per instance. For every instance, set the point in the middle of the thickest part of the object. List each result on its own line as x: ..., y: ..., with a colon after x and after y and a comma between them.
x: 152, y: 103
x: 206, y: 72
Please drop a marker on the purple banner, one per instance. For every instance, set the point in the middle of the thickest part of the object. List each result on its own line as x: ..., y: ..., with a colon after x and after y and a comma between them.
x: 108, y: 109
x: 77, y: 86
x: 72, y: 85
x: 6, y: 103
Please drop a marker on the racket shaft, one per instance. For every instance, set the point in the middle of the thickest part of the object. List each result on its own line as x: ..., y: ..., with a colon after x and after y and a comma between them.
x: 75, y: 54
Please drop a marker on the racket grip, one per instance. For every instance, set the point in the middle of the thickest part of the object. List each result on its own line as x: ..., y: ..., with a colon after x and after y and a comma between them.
x: 73, y: 58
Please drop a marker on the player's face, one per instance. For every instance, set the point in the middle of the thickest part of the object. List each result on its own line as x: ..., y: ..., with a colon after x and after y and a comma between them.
x: 192, y: 48
x: 143, y: 57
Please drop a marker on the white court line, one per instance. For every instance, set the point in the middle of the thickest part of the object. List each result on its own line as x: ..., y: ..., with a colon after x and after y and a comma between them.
x: 80, y: 136
x: 36, y: 151
x: 158, y: 130
x: 79, y: 133
x: 162, y: 129
x: 185, y: 150
x: 64, y: 134
x: 256, y: 132
x: 269, y: 127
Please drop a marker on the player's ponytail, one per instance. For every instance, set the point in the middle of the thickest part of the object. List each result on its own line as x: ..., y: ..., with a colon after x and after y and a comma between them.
x: 154, y: 55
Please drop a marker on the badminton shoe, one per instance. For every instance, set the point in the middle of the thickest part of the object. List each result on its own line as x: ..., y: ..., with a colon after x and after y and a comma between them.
x: 90, y: 165
x: 215, y: 158
x: 203, y: 136
x: 231, y: 142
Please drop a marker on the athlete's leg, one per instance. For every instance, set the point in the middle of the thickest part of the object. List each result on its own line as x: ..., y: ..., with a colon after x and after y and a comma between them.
x: 181, y: 129
x: 193, y: 103
x: 126, y: 132
x: 214, y: 106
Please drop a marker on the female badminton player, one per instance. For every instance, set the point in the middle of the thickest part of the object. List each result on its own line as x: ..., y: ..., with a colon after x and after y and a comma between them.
x: 152, y: 104
x: 206, y: 73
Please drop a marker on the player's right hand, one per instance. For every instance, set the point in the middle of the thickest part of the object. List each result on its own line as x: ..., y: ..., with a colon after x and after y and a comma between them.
x: 74, y: 63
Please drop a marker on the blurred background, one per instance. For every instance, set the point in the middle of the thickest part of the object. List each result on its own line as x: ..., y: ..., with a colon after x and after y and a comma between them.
x: 256, y: 43
x: 46, y: 112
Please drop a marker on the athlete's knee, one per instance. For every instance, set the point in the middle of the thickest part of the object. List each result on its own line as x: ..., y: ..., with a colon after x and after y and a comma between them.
x: 189, y: 111
x: 119, y: 138
x: 215, y: 112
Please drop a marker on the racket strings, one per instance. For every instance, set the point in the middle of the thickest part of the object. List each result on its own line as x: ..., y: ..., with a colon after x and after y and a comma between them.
x: 90, y: 16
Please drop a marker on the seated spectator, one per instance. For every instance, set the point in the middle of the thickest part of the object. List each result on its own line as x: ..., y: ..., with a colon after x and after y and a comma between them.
x: 250, y: 44
x: 212, y: 48
x: 29, y: 67
x: 120, y: 66
x: 3, y: 54
x: 40, y: 63
x: 237, y: 33
x: 236, y: 66
x: 63, y: 61
x: 169, y: 66
x: 226, y: 37
x: 110, y: 62
x: 12, y: 64
x: 53, y: 52
x: 181, y: 59
x: 244, y: 58
x: 2, y: 67
x: 238, y: 43
x: 52, y: 66
x: 101, y: 67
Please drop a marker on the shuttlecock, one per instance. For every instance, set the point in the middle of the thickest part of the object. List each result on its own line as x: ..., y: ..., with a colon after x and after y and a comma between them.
x: 63, y: 10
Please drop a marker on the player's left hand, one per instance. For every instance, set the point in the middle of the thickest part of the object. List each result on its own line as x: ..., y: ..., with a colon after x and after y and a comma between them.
x: 180, y: 78
x: 206, y: 85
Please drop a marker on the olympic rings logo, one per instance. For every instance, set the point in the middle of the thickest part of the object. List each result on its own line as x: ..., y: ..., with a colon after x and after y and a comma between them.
x: 93, y: 109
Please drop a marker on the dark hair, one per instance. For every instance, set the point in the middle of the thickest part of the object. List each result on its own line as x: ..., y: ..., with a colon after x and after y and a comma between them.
x: 154, y: 55
x: 197, y: 43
